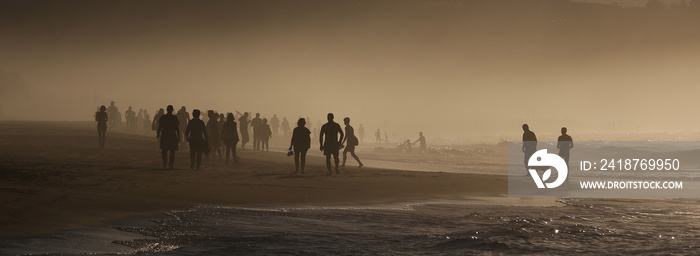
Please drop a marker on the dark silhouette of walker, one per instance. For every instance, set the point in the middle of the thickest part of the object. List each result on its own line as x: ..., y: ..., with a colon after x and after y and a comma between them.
x: 529, y: 144
x: 332, y: 143
x: 112, y: 113
x: 139, y: 118
x: 183, y: 117
x: 229, y: 135
x: 130, y: 117
x: 213, y: 132
x: 265, y: 134
x: 222, y: 147
x: 352, y: 141
x: 257, y: 131
x: 169, y: 134
x: 243, y: 121
x: 285, y: 127
x: 196, y: 135
x: 301, y: 142
x: 102, y: 119
x: 156, y: 119
x: 146, y: 121
x: 564, y: 144
x: 274, y: 124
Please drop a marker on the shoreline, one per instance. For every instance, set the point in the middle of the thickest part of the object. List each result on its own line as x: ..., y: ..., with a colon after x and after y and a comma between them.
x: 54, y: 179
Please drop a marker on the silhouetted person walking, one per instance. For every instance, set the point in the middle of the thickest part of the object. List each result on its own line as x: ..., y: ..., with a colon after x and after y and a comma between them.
x: 139, y: 118
x: 196, y: 135
x: 130, y: 117
x: 351, y: 143
x: 256, y: 123
x: 183, y: 117
x: 423, y: 147
x: 229, y: 135
x: 101, y: 118
x: 275, y: 124
x: 169, y: 133
x: 361, y: 132
x: 156, y: 119
x: 564, y: 144
x: 112, y: 113
x: 529, y: 144
x: 243, y: 121
x: 213, y: 132
x: 222, y: 147
x: 146, y: 121
x: 117, y: 119
x: 331, y: 146
x: 378, y: 136
x: 265, y: 134
x: 285, y: 127
x: 301, y: 141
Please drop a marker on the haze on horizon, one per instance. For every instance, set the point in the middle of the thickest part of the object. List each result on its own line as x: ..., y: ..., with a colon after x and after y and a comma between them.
x: 455, y: 69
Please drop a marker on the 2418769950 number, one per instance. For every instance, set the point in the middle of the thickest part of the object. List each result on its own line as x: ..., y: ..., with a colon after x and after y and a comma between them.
x: 637, y: 164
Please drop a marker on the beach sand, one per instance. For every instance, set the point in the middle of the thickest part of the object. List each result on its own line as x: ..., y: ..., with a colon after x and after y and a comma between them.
x: 52, y: 177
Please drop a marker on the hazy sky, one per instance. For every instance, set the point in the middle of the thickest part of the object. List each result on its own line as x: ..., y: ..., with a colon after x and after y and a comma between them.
x: 456, y: 69
x: 631, y: 3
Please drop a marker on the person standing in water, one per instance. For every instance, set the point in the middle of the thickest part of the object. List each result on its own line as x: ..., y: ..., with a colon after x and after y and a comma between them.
x: 102, y: 119
x: 331, y: 146
x: 301, y: 142
x: 378, y: 136
x: 351, y: 143
x: 529, y: 144
x: 564, y: 144
x: 196, y: 135
x: 243, y: 121
x: 229, y: 135
x: 423, y: 147
x: 169, y: 133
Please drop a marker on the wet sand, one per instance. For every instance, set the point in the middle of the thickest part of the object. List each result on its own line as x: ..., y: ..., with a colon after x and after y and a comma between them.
x: 53, y: 178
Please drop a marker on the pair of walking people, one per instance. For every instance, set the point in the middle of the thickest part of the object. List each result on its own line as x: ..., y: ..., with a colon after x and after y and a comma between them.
x: 564, y: 143
x: 168, y: 132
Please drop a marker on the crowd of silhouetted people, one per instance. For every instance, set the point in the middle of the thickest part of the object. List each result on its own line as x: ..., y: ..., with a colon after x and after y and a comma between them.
x: 217, y: 135
x: 220, y: 134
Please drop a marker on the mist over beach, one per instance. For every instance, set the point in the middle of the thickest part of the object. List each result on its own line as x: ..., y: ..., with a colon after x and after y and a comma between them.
x: 453, y: 69
x: 346, y: 127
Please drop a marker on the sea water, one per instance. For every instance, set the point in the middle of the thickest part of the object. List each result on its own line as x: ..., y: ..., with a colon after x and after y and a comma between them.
x: 590, y: 226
